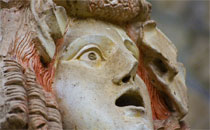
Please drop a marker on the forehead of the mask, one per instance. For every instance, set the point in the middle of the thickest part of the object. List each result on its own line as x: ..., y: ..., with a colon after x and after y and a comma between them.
x: 89, y: 30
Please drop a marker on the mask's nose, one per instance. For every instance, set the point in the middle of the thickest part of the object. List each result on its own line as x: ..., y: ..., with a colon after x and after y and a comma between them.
x: 127, y: 75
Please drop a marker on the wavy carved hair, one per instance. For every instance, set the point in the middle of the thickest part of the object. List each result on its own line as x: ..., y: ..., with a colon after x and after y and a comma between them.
x: 27, y: 54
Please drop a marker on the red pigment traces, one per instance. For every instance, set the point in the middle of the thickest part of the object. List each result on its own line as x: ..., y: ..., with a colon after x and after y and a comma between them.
x: 159, y: 108
x: 25, y: 53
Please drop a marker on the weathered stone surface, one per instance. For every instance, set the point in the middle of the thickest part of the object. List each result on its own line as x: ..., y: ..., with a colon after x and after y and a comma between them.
x: 88, y: 73
x: 160, y: 58
x: 43, y: 110
x: 23, y: 102
x: 14, y: 107
x: 120, y: 11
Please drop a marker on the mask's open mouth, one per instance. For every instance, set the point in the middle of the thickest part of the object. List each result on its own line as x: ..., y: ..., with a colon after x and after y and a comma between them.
x: 130, y: 98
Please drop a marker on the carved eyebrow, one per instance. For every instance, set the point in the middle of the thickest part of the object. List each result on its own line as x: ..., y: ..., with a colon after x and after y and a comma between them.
x: 132, y: 48
x: 129, y: 44
x: 99, y: 41
x: 87, y: 48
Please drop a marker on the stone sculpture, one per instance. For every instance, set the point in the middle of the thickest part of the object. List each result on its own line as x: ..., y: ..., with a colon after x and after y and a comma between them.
x: 87, y: 65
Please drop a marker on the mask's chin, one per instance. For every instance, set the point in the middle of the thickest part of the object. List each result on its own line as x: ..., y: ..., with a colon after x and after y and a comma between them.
x: 110, y: 118
x: 87, y: 109
x: 103, y: 124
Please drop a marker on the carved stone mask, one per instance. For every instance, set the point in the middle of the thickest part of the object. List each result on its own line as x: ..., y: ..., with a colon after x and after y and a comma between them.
x: 96, y: 82
x: 75, y: 65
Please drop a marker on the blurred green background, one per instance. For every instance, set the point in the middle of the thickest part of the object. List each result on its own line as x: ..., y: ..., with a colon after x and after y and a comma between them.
x: 186, y: 23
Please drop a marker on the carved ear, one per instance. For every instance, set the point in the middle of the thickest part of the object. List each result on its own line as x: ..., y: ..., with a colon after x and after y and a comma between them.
x: 160, y: 59
x: 51, y: 21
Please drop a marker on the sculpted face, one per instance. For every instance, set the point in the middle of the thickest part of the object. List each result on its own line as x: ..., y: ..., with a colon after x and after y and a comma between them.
x: 96, y: 84
x: 54, y: 66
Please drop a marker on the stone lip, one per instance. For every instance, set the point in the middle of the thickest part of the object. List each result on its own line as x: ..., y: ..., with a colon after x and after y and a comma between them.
x: 130, y: 97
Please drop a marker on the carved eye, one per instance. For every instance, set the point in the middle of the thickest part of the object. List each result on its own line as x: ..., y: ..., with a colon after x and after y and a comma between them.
x: 90, y: 56
x: 90, y: 53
